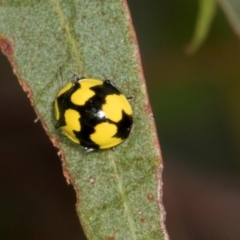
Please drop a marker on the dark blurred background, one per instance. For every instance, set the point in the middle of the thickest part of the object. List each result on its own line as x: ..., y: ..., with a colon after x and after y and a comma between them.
x: 196, y: 104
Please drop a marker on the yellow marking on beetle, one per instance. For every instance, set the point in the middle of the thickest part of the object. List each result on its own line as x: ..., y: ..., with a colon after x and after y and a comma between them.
x: 65, y: 89
x: 57, y: 114
x: 103, y: 135
x: 72, y: 124
x: 114, y: 106
x: 81, y: 95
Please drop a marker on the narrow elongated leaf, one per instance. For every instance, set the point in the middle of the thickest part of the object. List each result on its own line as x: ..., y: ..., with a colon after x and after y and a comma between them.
x: 232, y: 11
x: 206, y: 12
x: 118, y: 191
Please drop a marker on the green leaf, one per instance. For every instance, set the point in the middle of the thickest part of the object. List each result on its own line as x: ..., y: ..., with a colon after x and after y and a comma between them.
x: 232, y: 11
x: 206, y: 13
x: 118, y: 191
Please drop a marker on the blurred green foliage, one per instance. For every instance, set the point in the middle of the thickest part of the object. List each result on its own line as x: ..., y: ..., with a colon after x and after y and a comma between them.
x: 197, y: 115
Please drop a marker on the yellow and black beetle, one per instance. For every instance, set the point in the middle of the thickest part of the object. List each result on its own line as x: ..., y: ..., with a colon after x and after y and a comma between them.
x: 93, y: 113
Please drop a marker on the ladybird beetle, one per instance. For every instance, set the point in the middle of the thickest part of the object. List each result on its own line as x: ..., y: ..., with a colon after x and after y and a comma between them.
x: 93, y: 113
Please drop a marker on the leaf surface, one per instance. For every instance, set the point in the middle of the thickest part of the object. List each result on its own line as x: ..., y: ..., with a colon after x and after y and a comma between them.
x: 118, y: 191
